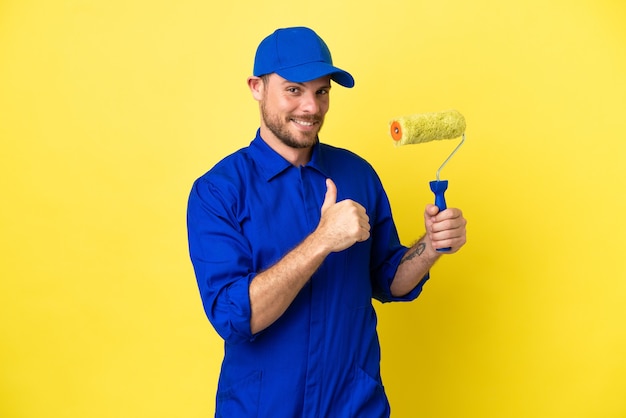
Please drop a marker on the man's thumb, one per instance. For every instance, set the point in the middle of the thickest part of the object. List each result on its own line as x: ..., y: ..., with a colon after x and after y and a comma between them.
x: 331, y: 195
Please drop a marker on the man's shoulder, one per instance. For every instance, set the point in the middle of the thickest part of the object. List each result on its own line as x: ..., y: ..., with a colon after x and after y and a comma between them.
x: 337, y: 156
x: 230, y: 164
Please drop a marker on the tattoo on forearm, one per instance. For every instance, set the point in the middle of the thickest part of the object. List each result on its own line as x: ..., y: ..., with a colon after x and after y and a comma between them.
x: 419, y: 249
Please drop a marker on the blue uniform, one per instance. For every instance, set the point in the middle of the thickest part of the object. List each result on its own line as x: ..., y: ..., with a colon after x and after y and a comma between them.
x: 321, y: 358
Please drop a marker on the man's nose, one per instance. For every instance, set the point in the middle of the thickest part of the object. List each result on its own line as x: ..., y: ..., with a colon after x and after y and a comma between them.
x: 310, y: 103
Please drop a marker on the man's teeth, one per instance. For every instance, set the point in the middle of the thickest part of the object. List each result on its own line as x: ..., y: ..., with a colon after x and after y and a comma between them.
x: 301, y: 122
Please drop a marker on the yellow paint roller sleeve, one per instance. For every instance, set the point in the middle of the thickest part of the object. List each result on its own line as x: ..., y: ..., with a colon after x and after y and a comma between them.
x: 425, y: 127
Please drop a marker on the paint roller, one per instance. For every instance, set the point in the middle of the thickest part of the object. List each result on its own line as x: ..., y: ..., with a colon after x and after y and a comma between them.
x: 425, y: 127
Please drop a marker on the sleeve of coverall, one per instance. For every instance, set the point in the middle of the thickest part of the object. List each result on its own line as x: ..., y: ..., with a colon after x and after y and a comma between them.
x: 387, y: 252
x: 220, y: 255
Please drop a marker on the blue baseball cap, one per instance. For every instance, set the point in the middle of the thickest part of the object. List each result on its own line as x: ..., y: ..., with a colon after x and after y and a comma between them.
x: 297, y: 54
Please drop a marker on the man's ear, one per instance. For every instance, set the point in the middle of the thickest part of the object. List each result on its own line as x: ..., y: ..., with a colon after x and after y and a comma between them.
x: 256, y: 86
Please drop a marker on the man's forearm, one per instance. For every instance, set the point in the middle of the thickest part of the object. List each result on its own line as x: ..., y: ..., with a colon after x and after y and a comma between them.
x: 273, y: 290
x: 413, y: 267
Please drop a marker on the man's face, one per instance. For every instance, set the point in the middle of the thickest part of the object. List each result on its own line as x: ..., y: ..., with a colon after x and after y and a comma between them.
x: 294, y: 112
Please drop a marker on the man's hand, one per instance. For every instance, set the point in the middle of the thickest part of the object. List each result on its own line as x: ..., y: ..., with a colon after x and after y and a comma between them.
x: 342, y: 223
x: 445, y: 229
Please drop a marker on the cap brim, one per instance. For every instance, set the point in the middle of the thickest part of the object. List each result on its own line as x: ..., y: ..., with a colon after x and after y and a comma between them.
x: 315, y: 70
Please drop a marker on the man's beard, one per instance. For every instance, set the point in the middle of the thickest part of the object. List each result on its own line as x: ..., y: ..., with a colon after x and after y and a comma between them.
x: 280, y: 129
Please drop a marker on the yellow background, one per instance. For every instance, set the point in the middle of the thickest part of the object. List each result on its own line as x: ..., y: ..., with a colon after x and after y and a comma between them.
x: 110, y: 109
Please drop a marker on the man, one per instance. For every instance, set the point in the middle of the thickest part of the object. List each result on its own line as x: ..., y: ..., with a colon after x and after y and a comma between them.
x: 291, y: 239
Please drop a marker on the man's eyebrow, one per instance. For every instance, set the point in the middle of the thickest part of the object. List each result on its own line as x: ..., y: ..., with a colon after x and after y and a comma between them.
x: 297, y: 83
x: 324, y: 87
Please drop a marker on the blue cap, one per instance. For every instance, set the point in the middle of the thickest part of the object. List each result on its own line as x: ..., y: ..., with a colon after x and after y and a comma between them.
x: 297, y: 54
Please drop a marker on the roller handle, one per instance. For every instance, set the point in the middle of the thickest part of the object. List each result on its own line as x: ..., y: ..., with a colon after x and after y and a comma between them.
x: 438, y: 187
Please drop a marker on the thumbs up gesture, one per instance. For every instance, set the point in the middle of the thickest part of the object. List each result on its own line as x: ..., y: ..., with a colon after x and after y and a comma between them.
x: 342, y: 223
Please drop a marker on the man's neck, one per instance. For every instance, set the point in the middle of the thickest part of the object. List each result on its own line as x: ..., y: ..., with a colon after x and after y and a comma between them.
x: 296, y: 156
